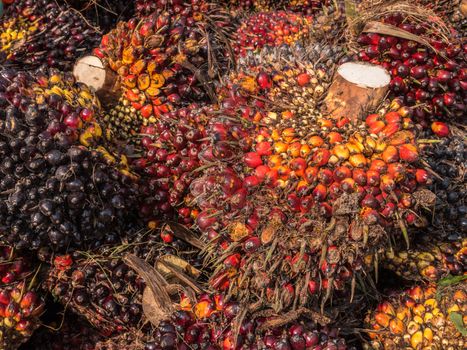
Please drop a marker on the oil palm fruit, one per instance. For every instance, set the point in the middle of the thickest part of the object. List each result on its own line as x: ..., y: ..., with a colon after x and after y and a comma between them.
x: 52, y: 188
x: 34, y: 33
x: 428, y: 261
x: 20, y: 305
x: 430, y: 76
x: 293, y: 191
x: 424, y: 317
x: 99, y: 285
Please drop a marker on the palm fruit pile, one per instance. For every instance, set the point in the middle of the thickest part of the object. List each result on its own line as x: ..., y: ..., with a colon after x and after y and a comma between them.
x: 431, y: 77
x: 20, y: 305
x: 272, y: 29
x: 205, y: 196
x: 52, y: 188
x: 429, y: 261
x: 428, y: 317
x: 34, y: 33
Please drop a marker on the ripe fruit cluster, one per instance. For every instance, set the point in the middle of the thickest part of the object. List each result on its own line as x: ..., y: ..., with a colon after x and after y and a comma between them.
x: 271, y: 29
x: 432, y: 78
x: 420, y: 318
x: 99, y: 285
x: 20, y: 306
x: 52, y: 188
x: 171, y: 149
x: 42, y: 32
x: 161, y: 59
x: 286, y: 173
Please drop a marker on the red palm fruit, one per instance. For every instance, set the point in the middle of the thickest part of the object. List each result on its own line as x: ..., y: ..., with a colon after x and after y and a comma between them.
x: 390, y: 154
x: 388, y: 210
x: 370, y: 216
x: 261, y: 172
x: 288, y: 134
x: 376, y: 126
x: 264, y: 81
x: 321, y: 157
x: 378, y: 165
x: 251, y: 181
x: 319, y: 192
x: 358, y: 160
x: 359, y: 176
x: 341, y: 152
x: 406, y: 200
x: 335, y: 190
x: 252, y: 159
x: 387, y: 183
x: 305, y: 150
x: 311, y: 174
x: 280, y: 147
x: 390, y: 129
x: 422, y: 176
x: 204, y: 309
x: 302, y: 187
x: 294, y: 201
x: 443, y: 76
x: 392, y: 117
x: 315, y: 141
x: 325, y: 210
x: 263, y: 148
x: 271, y: 177
x: 408, y: 152
x: 283, y: 172
x: 372, y: 177
x: 298, y: 166
x: 251, y: 245
x: 440, y: 129
x: 294, y: 149
x: 334, y: 137
x: 303, y: 79
x: 274, y: 161
x: 370, y: 201
x: 397, y: 171
x: 342, y: 172
x: 325, y: 176
x: 348, y: 185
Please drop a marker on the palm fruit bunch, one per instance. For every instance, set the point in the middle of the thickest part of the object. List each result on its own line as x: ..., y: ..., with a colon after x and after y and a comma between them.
x: 174, y: 7
x: 430, y: 261
x: 446, y: 157
x: 34, y: 33
x: 297, y: 201
x: 424, y: 317
x: 55, y: 192
x: 166, y: 60
x: 20, y: 305
x: 101, y: 287
x: 168, y: 159
x: 432, y: 78
x: 66, y: 334
x: 104, y: 13
x: 273, y: 28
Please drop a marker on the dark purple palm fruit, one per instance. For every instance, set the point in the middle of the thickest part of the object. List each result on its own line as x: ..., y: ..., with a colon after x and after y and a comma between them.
x: 44, y: 33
